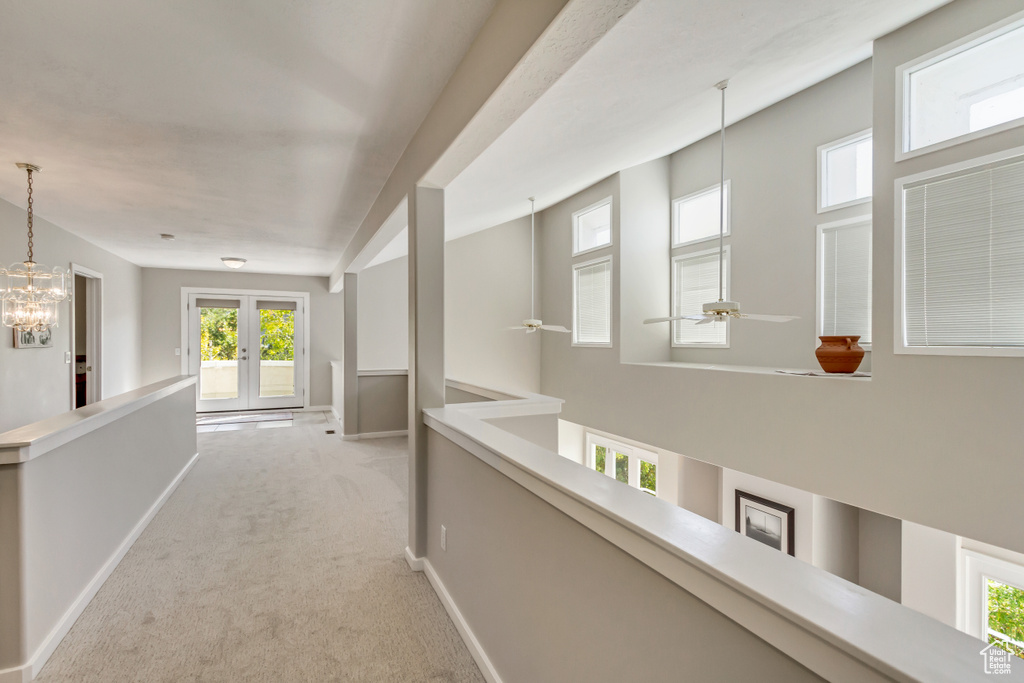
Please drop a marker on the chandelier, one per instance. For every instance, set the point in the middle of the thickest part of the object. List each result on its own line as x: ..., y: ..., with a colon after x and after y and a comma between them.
x: 29, y: 292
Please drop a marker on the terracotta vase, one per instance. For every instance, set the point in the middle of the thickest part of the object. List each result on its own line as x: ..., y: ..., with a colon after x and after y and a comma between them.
x: 839, y: 354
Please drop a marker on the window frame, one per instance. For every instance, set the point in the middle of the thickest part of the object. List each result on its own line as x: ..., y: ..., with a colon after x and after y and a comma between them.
x: 611, y: 303
x: 977, y: 568
x: 576, y: 225
x: 694, y: 195
x: 635, y: 455
x: 899, y: 312
x: 819, y: 271
x: 822, y: 170
x: 727, y: 259
x: 905, y: 70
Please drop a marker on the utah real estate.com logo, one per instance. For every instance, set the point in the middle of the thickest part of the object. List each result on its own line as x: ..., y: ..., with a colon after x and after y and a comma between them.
x: 997, y: 660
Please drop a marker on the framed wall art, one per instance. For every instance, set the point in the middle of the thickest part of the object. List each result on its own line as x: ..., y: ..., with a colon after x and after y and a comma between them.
x: 766, y: 521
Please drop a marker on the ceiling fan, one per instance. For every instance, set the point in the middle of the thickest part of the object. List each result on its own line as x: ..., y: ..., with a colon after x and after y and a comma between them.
x: 722, y: 310
x: 531, y: 324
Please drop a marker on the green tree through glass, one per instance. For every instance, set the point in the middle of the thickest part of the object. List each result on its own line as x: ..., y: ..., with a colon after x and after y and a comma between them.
x: 277, y: 335
x: 599, y: 453
x: 218, y: 337
x: 648, y: 477
x: 1006, y: 615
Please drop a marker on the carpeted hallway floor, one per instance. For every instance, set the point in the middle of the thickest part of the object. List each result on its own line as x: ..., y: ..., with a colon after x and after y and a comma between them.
x: 279, y: 558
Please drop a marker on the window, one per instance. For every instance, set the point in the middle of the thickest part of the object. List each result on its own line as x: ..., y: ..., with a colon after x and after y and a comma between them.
x: 592, y: 303
x: 962, y: 259
x: 844, y: 278
x: 630, y: 465
x: 695, y: 217
x: 844, y: 172
x: 972, y: 89
x: 695, y: 283
x: 592, y: 227
x: 994, y: 601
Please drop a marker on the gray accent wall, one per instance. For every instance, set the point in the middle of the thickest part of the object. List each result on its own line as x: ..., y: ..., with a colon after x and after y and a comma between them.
x: 161, y: 319
x: 36, y: 383
x: 922, y: 432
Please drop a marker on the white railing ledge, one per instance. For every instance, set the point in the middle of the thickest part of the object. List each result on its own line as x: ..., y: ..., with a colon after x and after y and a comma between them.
x: 30, y: 441
x: 837, y: 629
x: 485, y: 392
x: 748, y: 369
x: 528, y: 404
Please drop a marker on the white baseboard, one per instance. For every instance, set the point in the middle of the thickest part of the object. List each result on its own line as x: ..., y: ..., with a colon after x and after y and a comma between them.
x: 335, y: 414
x: 30, y: 670
x: 415, y: 563
x: 373, y: 435
x: 475, y: 649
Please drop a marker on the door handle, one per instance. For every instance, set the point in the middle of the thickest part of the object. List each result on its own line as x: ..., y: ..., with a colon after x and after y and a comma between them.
x: 88, y: 368
x: 245, y: 358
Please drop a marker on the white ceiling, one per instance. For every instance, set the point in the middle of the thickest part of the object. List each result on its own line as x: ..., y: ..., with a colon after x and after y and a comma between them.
x: 647, y: 89
x: 260, y: 130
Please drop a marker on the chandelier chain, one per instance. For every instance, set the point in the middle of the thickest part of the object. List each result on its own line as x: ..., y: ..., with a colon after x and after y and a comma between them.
x: 30, y: 215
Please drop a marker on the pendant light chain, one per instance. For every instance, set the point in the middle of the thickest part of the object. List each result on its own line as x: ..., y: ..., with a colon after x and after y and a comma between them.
x: 29, y: 215
x: 721, y: 200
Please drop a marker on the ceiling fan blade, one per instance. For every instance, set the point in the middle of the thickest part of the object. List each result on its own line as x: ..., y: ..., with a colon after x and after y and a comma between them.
x: 770, y: 318
x: 704, y: 319
x: 555, y: 328
x: 531, y: 330
x: 517, y: 327
x: 697, y: 316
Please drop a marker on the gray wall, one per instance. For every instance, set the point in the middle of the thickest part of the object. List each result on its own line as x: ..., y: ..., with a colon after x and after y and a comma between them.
x: 383, y: 403
x: 487, y: 290
x: 903, y: 444
x: 161, y: 319
x: 383, y: 316
x: 880, y: 563
x: 36, y: 383
x: 563, y: 600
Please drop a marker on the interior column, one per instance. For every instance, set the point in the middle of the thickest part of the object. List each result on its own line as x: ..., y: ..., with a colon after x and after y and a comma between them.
x: 350, y: 358
x: 426, y: 345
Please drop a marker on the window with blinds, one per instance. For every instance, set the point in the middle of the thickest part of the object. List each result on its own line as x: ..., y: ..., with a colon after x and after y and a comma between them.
x: 592, y: 303
x: 963, y: 260
x: 844, y: 279
x: 695, y: 283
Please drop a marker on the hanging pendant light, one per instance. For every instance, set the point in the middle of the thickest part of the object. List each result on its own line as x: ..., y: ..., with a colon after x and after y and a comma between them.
x: 29, y: 291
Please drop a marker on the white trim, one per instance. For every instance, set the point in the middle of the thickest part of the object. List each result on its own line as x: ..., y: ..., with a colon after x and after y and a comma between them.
x: 381, y: 373
x: 375, y: 435
x: 415, y: 563
x: 611, y: 304
x: 94, y: 332
x: 694, y: 195
x: 727, y: 259
x: 899, y: 336
x: 56, y: 635
x: 36, y: 439
x: 336, y: 415
x: 476, y: 650
x: 493, y: 394
x: 972, y: 615
x: 905, y: 70
x: 611, y: 226
x: 828, y: 147
x: 819, y: 256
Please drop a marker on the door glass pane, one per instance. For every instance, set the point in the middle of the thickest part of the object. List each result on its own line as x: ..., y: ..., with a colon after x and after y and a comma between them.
x: 622, y: 468
x: 277, y: 353
x: 218, y: 344
x: 599, y: 453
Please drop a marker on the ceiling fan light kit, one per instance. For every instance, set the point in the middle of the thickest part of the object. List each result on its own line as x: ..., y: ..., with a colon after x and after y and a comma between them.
x: 721, y: 310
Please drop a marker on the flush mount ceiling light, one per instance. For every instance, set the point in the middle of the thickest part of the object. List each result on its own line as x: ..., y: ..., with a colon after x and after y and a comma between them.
x: 29, y: 291
x: 233, y: 261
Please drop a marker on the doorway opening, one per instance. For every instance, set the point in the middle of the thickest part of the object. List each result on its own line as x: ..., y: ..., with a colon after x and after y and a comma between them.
x: 248, y: 350
x: 86, y: 334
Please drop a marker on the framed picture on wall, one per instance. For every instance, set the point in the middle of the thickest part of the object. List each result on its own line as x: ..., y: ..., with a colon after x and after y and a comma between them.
x: 766, y: 521
x: 32, y: 339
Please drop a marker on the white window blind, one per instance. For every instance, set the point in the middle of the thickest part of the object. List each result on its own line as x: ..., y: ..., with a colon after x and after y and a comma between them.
x: 695, y: 283
x: 845, y: 286
x: 592, y: 302
x: 963, y: 258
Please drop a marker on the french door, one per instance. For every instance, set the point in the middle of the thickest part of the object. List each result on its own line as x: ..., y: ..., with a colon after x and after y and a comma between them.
x: 247, y: 351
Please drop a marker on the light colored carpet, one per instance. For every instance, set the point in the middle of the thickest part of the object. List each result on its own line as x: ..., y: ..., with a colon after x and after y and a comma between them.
x: 279, y: 558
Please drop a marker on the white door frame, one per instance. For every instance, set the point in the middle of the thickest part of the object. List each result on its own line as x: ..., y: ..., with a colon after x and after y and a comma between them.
x: 93, y: 329
x: 214, y: 292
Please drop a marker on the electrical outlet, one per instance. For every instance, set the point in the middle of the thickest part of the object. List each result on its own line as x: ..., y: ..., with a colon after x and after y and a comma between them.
x: 444, y: 538
x: 177, y: 351
x: 67, y: 357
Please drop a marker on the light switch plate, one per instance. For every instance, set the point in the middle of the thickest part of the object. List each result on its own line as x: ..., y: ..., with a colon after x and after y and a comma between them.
x: 177, y: 352
x: 67, y: 357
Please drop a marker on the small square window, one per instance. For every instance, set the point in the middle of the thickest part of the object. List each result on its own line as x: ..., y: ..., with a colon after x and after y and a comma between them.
x: 592, y: 227
x: 695, y: 217
x: 844, y: 172
x: 966, y: 91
